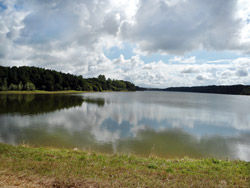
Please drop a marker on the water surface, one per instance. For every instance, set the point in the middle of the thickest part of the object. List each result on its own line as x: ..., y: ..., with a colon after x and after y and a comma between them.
x: 166, y: 124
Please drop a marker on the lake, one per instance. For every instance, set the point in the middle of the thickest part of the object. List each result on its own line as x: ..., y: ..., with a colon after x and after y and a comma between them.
x: 164, y: 124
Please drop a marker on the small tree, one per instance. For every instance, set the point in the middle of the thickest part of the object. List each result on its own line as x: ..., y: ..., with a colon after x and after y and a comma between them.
x: 3, y: 85
x: 20, y: 86
x: 13, y: 86
x: 102, y: 78
x: 29, y: 86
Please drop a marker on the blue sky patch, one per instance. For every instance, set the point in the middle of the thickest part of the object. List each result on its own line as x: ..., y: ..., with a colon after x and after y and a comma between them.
x: 2, y: 6
x: 115, y: 52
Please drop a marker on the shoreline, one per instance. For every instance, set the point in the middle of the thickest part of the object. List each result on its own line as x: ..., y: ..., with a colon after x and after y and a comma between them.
x: 55, y: 92
x: 47, y: 167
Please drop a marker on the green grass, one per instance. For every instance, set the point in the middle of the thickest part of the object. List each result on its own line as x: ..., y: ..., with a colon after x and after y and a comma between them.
x: 34, y: 167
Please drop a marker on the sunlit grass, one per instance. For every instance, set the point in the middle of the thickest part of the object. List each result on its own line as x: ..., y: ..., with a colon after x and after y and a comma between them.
x: 26, y: 166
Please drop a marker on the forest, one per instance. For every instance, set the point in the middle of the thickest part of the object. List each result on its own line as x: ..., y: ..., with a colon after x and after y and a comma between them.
x: 220, y: 89
x: 231, y: 89
x: 34, y: 78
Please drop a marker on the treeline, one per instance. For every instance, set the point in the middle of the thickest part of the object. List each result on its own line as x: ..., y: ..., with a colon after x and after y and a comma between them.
x: 233, y: 89
x: 33, y: 78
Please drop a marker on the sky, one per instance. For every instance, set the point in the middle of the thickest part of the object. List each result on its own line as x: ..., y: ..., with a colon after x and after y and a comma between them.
x: 152, y: 43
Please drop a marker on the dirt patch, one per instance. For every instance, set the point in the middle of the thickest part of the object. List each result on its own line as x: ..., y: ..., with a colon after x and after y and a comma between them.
x: 23, y: 181
x: 75, y: 184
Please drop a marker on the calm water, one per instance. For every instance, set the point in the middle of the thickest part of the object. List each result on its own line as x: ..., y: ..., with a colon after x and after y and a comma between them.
x: 165, y: 124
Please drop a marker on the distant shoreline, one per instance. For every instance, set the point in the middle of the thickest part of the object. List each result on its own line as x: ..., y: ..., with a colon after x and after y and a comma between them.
x: 212, y: 89
x: 174, y: 89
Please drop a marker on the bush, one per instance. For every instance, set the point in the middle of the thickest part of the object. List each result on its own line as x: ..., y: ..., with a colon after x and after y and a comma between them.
x: 29, y: 86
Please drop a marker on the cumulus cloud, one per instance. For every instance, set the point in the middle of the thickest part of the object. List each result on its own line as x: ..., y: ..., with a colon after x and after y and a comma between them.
x: 182, y: 26
x: 179, y: 59
x: 161, y: 74
x: 67, y: 22
x: 65, y: 35
x: 71, y: 36
x: 201, y: 77
x: 189, y: 70
x: 242, y: 72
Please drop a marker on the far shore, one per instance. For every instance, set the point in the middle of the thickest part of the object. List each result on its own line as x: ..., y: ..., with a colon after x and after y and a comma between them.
x: 54, y: 92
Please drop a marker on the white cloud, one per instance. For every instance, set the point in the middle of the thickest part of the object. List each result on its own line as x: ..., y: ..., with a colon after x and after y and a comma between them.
x: 244, y: 14
x: 183, y: 26
x: 179, y: 59
x: 190, y: 70
x: 160, y: 74
x: 242, y: 72
x: 70, y: 36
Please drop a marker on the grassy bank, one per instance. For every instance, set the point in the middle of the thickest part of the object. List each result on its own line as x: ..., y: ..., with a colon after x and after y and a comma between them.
x: 45, y: 167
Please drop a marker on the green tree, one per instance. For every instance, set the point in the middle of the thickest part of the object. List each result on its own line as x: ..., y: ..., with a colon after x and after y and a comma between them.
x: 20, y: 86
x: 29, y: 86
x: 3, y: 84
x: 102, y: 78
x: 13, y: 87
x: 30, y: 78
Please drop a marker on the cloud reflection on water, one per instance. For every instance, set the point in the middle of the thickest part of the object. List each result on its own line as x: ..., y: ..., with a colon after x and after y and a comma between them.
x: 164, y: 124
